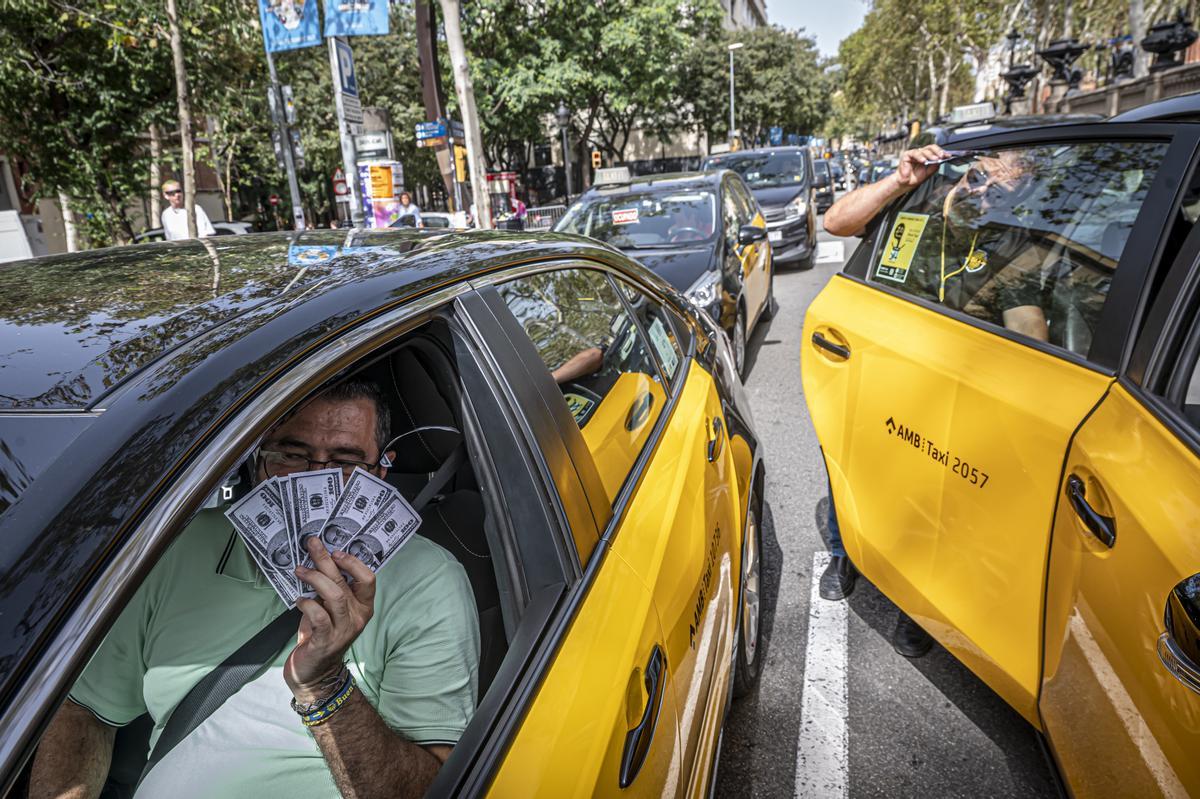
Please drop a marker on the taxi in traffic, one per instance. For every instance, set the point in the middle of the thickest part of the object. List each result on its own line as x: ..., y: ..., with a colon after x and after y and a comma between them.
x: 703, y: 233
x: 1004, y: 384
x: 576, y: 426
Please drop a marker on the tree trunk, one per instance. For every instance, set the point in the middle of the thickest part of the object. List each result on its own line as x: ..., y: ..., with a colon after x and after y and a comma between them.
x: 155, y: 176
x: 466, y: 104
x: 232, y: 148
x: 947, y: 74
x: 1137, y: 26
x: 72, y: 233
x: 185, y: 119
x: 932, y: 86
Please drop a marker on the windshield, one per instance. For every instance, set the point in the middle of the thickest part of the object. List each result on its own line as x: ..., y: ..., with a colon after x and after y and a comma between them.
x: 761, y: 170
x: 648, y: 219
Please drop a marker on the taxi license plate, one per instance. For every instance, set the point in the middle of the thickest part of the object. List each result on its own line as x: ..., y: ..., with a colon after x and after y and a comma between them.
x: 775, y: 235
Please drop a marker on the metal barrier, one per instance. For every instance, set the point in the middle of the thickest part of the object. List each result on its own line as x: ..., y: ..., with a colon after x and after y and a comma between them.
x: 543, y: 217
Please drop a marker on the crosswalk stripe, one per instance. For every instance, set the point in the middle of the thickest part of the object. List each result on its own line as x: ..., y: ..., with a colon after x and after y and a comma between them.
x: 822, y: 761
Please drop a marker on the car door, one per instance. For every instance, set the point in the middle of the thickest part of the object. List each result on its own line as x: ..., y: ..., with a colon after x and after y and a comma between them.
x: 761, y: 267
x: 682, y: 532
x: 744, y: 258
x: 1121, y: 686
x: 604, y: 719
x: 947, y: 368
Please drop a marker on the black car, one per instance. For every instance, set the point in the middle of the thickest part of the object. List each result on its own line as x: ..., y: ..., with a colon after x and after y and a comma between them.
x: 823, y: 182
x: 701, y: 232
x: 781, y: 179
x: 137, y: 385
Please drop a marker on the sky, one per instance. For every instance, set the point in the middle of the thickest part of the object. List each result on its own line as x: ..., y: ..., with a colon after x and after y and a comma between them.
x: 829, y: 20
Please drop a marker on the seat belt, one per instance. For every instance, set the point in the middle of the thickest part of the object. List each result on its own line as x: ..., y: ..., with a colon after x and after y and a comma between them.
x: 252, y: 657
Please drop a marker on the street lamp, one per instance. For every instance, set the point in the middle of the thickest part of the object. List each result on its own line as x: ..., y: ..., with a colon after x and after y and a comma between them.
x: 564, y: 122
x: 732, y: 47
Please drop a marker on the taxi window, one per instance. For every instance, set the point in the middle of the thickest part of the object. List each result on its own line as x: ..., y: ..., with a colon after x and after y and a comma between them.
x: 596, y: 354
x: 660, y: 331
x: 1026, y: 239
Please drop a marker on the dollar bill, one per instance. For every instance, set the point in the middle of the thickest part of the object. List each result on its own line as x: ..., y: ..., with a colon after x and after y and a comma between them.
x: 361, y: 498
x: 385, y: 532
x: 260, y: 520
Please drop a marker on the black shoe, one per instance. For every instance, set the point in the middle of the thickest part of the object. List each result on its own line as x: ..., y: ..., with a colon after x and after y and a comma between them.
x: 837, y: 582
x: 909, y: 639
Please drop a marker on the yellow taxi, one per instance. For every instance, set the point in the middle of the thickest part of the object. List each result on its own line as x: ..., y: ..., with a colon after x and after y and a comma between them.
x: 1004, y: 384
x: 571, y: 431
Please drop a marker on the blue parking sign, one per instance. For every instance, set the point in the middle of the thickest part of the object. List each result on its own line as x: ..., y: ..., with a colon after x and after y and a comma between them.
x: 776, y: 136
x: 346, y: 76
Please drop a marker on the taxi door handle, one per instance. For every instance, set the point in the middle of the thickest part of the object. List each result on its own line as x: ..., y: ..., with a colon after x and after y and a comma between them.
x: 637, y: 740
x: 1103, y: 527
x: 827, y: 345
x: 716, y: 442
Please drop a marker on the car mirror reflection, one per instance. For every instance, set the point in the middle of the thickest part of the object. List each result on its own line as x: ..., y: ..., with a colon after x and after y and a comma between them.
x: 1179, y: 646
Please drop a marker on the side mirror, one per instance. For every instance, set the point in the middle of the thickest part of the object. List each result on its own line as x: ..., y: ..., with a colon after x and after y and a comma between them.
x: 1179, y: 646
x: 749, y: 234
x: 821, y: 181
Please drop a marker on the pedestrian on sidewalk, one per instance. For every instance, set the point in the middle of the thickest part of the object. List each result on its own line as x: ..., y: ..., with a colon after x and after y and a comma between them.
x: 174, y: 219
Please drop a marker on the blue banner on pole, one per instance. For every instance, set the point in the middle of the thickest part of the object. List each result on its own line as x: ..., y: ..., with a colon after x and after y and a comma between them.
x: 356, y: 17
x: 775, y: 136
x: 289, y: 24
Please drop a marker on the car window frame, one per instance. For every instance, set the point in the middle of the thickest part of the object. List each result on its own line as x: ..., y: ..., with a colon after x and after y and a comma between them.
x: 576, y: 448
x: 175, y: 504
x: 1132, y: 280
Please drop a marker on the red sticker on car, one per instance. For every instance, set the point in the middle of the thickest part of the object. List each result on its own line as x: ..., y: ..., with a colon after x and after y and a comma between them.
x: 625, y: 216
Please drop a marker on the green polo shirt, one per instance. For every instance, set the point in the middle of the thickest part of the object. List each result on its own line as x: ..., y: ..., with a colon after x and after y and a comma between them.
x: 416, y: 661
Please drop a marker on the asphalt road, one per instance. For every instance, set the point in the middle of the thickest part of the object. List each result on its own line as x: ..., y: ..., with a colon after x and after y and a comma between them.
x: 925, y: 727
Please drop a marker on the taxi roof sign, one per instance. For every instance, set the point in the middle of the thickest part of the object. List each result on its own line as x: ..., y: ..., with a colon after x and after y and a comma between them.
x: 978, y: 112
x: 609, y: 176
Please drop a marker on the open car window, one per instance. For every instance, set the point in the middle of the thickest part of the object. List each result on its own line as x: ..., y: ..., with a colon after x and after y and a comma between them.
x: 1025, y: 238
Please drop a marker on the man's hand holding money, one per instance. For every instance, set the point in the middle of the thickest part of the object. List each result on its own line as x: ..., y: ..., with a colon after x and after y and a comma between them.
x: 331, y: 622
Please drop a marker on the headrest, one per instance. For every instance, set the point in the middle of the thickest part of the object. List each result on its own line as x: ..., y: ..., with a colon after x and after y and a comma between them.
x: 420, y: 385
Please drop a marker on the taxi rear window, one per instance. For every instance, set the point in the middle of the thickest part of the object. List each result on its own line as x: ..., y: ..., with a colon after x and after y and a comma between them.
x: 1024, y: 238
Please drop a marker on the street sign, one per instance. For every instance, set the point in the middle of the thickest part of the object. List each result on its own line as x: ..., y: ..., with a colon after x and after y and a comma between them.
x: 373, y: 146
x: 430, y: 130
x: 347, y: 81
x: 435, y: 142
x: 273, y: 199
x: 775, y: 136
x: 340, y: 188
x: 456, y: 128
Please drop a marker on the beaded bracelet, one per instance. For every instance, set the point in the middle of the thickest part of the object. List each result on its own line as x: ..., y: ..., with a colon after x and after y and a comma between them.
x: 327, y: 707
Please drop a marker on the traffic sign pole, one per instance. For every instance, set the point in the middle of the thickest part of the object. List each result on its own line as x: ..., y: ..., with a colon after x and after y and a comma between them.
x: 289, y: 163
x: 345, y: 84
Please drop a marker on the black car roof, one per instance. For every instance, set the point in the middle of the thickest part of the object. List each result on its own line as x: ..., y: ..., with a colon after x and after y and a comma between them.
x: 75, y: 327
x: 1182, y: 108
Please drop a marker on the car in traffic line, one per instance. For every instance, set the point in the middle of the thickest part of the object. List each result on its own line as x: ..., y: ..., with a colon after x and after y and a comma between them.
x: 781, y: 180
x: 608, y: 520
x: 1004, y: 384
x: 701, y: 232
x: 823, y: 185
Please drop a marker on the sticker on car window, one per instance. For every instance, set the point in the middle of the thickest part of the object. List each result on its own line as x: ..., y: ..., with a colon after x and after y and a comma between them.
x: 625, y: 216
x: 664, y: 347
x: 900, y: 246
x: 580, y: 407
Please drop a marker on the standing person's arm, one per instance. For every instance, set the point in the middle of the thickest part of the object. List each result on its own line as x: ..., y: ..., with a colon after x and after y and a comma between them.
x: 203, y: 226
x: 850, y: 215
x: 73, y: 756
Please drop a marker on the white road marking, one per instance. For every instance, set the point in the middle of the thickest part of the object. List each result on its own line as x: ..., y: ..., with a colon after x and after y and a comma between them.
x: 822, y: 760
x: 830, y: 252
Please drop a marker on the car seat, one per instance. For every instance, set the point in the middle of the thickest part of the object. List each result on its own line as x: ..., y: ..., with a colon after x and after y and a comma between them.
x: 421, y: 384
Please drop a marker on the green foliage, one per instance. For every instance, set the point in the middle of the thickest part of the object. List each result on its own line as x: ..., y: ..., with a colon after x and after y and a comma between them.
x: 778, y: 80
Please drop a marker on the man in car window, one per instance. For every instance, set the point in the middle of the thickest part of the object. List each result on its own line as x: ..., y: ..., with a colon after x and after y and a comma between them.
x: 407, y: 637
x: 977, y: 257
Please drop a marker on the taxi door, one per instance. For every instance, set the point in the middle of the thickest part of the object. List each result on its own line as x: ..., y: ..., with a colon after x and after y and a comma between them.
x: 1123, y: 595
x: 752, y: 258
x: 683, y: 536
x: 944, y: 431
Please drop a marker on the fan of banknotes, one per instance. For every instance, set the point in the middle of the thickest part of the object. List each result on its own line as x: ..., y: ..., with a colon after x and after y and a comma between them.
x: 366, y: 517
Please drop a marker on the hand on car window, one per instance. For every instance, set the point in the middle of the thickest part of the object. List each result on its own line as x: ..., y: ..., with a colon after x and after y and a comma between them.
x: 912, y: 170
